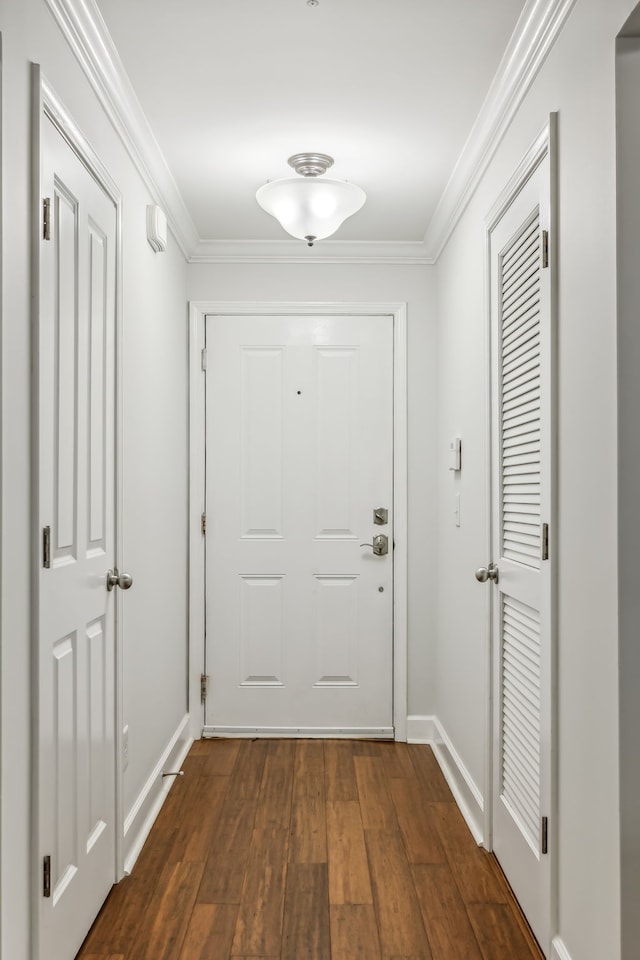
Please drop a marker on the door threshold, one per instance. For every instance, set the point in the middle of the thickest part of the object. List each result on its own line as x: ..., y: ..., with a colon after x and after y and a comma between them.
x: 347, y: 733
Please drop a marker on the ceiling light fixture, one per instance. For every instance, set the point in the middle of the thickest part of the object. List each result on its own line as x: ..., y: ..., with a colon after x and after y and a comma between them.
x: 310, y: 209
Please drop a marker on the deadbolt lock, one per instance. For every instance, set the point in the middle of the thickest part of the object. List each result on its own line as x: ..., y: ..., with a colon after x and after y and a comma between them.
x: 380, y: 516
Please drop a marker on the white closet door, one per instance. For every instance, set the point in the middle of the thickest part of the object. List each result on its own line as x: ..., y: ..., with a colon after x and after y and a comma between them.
x: 75, y: 785
x: 521, y: 440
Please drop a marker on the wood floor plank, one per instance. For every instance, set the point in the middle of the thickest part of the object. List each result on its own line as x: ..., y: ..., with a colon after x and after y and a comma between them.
x: 159, y: 846
x: 210, y: 932
x: 258, y: 930
x: 220, y: 757
x: 446, y: 921
x: 413, y: 885
x: 115, y: 924
x: 161, y: 936
x: 306, y: 926
x: 354, y: 932
x: 308, y: 840
x: 340, y: 775
x: 349, y: 881
x: 365, y: 748
x: 192, y: 766
x: 396, y: 760
x: 471, y: 865
x: 429, y: 773
x: 199, y: 820
x: 274, y: 799
x: 499, y: 934
x: 248, y: 770
x: 224, y: 872
x: 199, y: 747
x: 400, y: 922
x: 103, y: 956
x: 376, y: 806
x: 419, y: 831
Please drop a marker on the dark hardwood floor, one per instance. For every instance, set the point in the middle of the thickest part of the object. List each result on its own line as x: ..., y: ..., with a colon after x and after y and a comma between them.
x: 311, y: 850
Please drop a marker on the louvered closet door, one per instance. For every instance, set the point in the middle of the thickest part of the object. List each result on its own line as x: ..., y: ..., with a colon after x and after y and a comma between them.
x: 522, y: 465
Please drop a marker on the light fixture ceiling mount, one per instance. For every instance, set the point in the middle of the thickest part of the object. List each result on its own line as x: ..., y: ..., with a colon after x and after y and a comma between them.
x: 310, y: 164
x: 310, y: 208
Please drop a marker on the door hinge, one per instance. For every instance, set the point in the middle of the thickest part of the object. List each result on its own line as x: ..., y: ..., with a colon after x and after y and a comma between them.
x: 545, y: 248
x: 46, y: 547
x: 46, y: 876
x: 204, y: 687
x: 203, y: 524
x: 203, y: 358
x: 544, y: 838
x: 46, y: 219
x: 545, y: 541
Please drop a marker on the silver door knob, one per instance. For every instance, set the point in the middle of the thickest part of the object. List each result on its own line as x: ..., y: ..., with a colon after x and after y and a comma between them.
x: 380, y: 545
x: 115, y: 579
x: 487, y: 573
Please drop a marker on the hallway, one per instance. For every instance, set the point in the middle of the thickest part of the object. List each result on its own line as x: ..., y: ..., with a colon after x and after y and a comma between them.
x: 310, y: 850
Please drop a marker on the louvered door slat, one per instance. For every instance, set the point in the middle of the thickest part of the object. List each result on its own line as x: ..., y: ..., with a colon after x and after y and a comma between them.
x: 523, y: 240
x: 521, y: 714
x: 520, y: 392
x: 526, y: 328
x: 525, y: 321
x: 517, y: 359
x: 518, y: 416
x: 517, y: 305
x: 521, y: 263
x: 524, y: 385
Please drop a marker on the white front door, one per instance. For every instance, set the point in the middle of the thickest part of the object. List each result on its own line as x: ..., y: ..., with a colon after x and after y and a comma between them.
x: 75, y: 744
x: 299, y: 455
x: 522, y: 449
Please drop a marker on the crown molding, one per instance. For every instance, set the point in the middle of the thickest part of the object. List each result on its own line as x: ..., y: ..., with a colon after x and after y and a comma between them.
x: 535, y: 34
x: 86, y: 33
x: 295, y: 251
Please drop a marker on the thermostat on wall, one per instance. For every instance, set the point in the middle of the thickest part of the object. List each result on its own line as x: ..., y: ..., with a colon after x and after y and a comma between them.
x: 156, y: 228
x: 455, y: 454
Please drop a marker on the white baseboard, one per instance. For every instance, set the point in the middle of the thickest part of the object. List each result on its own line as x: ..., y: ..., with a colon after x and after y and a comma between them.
x: 558, y: 950
x: 463, y: 787
x: 421, y: 729
x: 148, y: 804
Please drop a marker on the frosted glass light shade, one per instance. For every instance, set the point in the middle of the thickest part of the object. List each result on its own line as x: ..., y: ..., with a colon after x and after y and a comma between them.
x: 310, y: 208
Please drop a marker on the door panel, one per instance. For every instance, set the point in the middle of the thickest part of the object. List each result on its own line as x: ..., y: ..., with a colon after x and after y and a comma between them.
x: 76, y: 493
x: 521, y: 338
x: 299, y: 453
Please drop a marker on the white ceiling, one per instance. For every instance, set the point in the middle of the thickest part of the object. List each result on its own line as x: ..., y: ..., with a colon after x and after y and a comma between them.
x: 389, y: 88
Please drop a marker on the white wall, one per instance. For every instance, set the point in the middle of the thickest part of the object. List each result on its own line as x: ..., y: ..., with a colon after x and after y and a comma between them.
x: 414, y: 284
x: 578, y: 82
x: 155, y: 452
x: 628, y: 127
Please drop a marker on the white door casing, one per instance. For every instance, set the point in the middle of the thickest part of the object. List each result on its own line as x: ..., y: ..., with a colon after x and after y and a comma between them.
x: 522, y: 443
x: 76, y: 812
x: 299, y: 453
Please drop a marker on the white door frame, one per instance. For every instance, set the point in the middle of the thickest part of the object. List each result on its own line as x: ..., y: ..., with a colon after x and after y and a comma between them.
x: 544, y: 144
x: 46, y: 108
x: 198, y: 311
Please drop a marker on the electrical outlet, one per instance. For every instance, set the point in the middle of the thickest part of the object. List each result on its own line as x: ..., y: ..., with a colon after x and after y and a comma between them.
x: 125, y: 747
